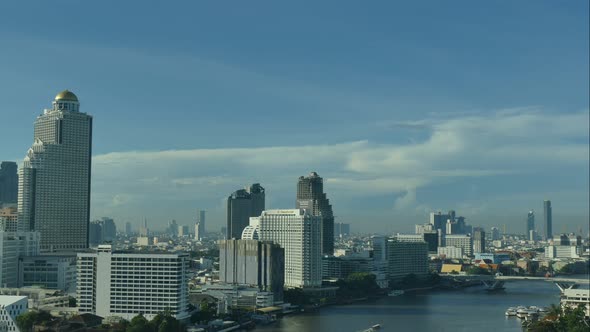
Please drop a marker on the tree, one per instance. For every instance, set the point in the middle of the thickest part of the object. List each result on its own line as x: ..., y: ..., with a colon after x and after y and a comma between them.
x: 560, y: 319
x: 27, y: 320
x: 139, y: 324
x: 72, y: 302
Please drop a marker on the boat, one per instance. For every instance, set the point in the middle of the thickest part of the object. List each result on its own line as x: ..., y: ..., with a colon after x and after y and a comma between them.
x: 395, y: 292
x: 376, y: 326
x: 521, y: 312
x: 543, y: 309
x: 511, y: 311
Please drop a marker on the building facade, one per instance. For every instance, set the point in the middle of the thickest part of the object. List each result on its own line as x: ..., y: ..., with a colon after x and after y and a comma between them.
x: 241, y: 205
x: 126, y: 284
x: 311, y: 196
x: 54, y: 182
x: 11, y: 307
x: 462, y: 241
x: 548, y: 220
x: 450, y: 252
x: 8, y: 183
x: 12, y: 246
x: 253, y: 263
x: 407, y: 258
x: 299, y: 233
x: 48, y: 271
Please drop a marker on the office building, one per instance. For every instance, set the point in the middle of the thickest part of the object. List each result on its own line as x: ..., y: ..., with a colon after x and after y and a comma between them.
x: 563, y: 251
x: 311, y: 196
x: 407, y: 258
x: 183, y: 230
x: 128, y: 228
x: 462, y: 241
x: 126, y: 284
x: 422, y: 228
x: 8, y: 183
x: 11, y: 307
x: 479, y: 240
x: 100, y: 231
x: 530, y: 222
x: 439, y: 220
x: 200, y: 225
x: 341, y: 229
x: 8, y: 219
x: 299, y: 233
x: 54, y: 182
x: 496, y: 233
x: 548, y: 221
x: 379, y: 246
x: 172, y: 228
x: 241, y: 205
x: 253, y: 263
x: 12, y: 246
x: 48, y: 271
x: 450, y: 252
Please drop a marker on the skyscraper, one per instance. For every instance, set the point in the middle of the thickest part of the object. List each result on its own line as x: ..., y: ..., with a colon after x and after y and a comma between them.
x: 54, y: 182
x: 311, y: 196
x: 530, y: 222
x: 241, y: 205
x: 548, y: 222
x: 8, y: 182
x: 479, y: 240
x: 200, y: 225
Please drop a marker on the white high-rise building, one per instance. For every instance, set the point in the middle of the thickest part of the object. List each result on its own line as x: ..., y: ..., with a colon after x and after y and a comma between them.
x: 462, y: 241
x: 12, y: 246
x: 407, y: 258
x: 299, y: 233
x: 200, y: 225
x: 126, y: 284
x: 10, y: 308
x: 54, y: 182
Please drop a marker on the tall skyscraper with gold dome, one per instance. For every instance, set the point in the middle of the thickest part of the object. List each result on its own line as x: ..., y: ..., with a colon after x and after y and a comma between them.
x: 54, y: 181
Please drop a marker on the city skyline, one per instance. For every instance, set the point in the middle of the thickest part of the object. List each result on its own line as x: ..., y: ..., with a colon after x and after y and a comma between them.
x: 424, y: 131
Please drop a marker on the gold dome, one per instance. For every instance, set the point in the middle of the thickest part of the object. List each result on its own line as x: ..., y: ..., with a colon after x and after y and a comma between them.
x: 66, y: 95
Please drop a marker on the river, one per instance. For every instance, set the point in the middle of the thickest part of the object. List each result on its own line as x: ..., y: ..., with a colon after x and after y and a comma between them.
x: 470, y: 309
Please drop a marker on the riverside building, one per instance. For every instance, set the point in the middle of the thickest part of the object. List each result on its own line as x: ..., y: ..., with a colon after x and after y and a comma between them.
x: 299, y: 233
x: 407, y: 258
x: 126, y: 284
x: 54, y: 182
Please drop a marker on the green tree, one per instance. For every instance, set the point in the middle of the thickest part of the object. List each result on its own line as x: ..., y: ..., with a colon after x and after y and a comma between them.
x: 560, y: 319
x: 25, y: 321
x: 139, y: 324
x: 72, y: 302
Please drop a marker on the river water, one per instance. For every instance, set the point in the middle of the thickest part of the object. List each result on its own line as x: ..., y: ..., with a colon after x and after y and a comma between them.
x: 469, y: 309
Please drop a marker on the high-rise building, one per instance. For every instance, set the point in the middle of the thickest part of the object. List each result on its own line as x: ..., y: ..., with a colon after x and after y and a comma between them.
x: 530, y: 222
x: 379, y: 246
x: 253, y: 263
x: 94, y: 233
x: 8, y: 182
x: 311, y: 196
x: 126, y: 284
x: 172, y: 228
x: 341, y: 229
x: 479, y: 240
x: 8, y: 219
x: 128, y: 228
x: 241, y: 205
x: 12, y: 246
x: 407, y: 258
x: 548, y: 222
x: 103, y: 230
x: 54, y: 182
x: 299, y: 233
x: 439, y: 220
x: 182, y: 230
x: 460, y: 241
x: 200, y: 225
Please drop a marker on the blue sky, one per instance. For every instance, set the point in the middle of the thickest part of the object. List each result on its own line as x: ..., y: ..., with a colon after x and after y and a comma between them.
x: 403, y: 107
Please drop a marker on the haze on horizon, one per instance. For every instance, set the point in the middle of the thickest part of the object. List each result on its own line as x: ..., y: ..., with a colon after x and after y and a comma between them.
x: 402, y: 108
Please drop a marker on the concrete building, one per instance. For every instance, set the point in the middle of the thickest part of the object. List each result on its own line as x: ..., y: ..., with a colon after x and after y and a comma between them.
x: 450, y: 252
x: 8, y: 219
x: 253, y: 263
x: 311, y: 196
x: 8, y: 182
x: 200, y: 225
x: 48, y: 271
x: 241, y: 205
x: 479, y: 240
x: 406, y: 258
x: 12, y: 246
x: 10, y: 308
x: 462, y: 241
x: 299, y: 233
x: 530, y: 222
x: 54, y: 182
x: 547, y: 220
x: 563, y: 251
x: 126, y: 283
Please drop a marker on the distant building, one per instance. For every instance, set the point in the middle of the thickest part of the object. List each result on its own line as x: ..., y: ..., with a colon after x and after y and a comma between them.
x: 406, y: 258
x: 200, y: 225
x: 548, y: 221
x: 126, y: 284
x: 479, y: 240
x: 12, y: 246
x: 10, y: 308
x: 54, y: 182
x: 342, y: 267
x: 530, y: 222
x: 462, y: 241
x: 128, y: 229
x: 495, y: 233
x: 341, y: 229
x: 563, y: 251
x: 299, y: 233
x: 422, y: 228
x: 431, y: 238
x: 494, y: 258
x: 173, y: 228
x: 241, y: 205
x: 100, y: 231
x: 533, y: 235
x: 183, y: 230
x: 48, y: 271
x: 450, y: 252
x: 253, y: 263
x: 311, y: 196
x: 8, y: 182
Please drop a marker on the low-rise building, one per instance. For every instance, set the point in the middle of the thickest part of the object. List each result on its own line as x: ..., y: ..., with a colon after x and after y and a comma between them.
x: 48, y: 271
